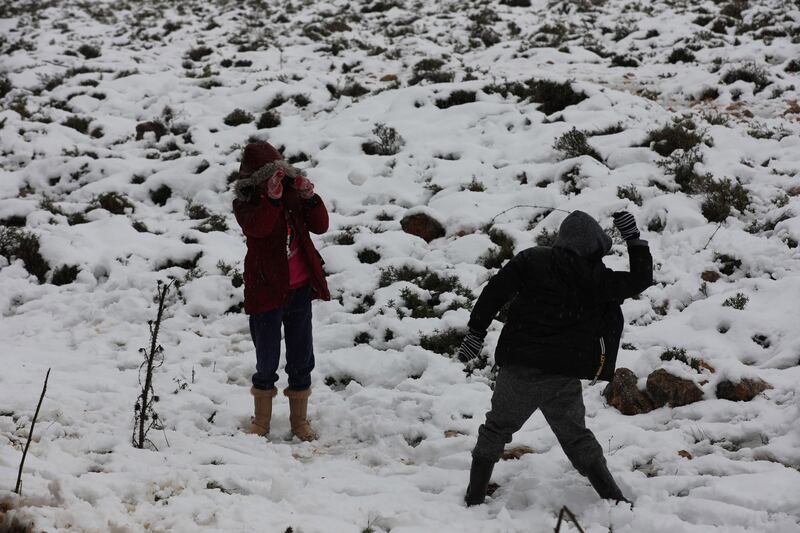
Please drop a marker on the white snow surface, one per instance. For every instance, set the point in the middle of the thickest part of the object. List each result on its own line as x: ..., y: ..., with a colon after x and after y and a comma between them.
x: 397, y: 422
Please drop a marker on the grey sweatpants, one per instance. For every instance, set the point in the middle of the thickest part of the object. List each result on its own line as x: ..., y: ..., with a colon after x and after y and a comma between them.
x: 518, y: 392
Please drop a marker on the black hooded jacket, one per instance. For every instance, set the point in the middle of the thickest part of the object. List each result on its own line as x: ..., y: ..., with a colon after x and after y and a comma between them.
x: 564, y: 317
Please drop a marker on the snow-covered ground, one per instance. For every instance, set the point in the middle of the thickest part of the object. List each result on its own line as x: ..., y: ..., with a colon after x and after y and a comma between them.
x: 397, y: 421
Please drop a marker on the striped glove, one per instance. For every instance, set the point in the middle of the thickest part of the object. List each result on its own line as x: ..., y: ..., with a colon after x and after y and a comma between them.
x: 626, y: 225
x: 471, y: 346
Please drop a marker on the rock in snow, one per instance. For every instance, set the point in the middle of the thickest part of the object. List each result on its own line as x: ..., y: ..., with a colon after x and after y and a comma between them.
x: 624, y: 394
x: 664, y: 388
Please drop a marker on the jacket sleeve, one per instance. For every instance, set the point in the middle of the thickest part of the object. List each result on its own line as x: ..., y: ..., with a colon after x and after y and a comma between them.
x: 500, y: 289
x: 316, y: 215
x: 617, y: 286
x: 257, y: 219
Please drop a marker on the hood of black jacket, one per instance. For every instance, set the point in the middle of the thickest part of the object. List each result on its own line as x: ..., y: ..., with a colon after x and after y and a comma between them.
x: 582, y: 234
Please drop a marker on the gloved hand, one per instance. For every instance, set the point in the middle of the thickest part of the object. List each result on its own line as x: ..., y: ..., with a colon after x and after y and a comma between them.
x: 304, y: 187
x: 275, y: 185
x: 626, y: 225
x: 471, y: 346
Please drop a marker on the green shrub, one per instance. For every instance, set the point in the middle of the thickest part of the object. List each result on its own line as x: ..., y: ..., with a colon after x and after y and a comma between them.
x: 681, y: 164
x: 680, y: 134
x: 187, y: 264
x: 238, y: 117
x: 793, y: 66
x: 458, y: 97
x: 721, y: 197
x: 16, y: 243
x: 546, y: 238
x: 5, y: 86
x: 354, y: 90
x: 679, y: 354
x: 78, y: 124
x: 681, y: 55
x: 444, y: 342
x: 430, y: 70
x: 496, y: 257
x: 65, y: 274
x: 88, y: 51
x: 112, y: 202
x: 368, y: 256
x: 198, y: 53
x: 389, y: 141
x: 424, y: 279
x: 197, y: 211
x: 624, y: 61
x: 573, y: 144
x: 630, y: 192
x: 728, y: 262
x: 552, y: 96
x: 213, y: 223
x: 738, y: 301
x: 268, y: 119
x: 750, y: 73
x: 362, y: 338
x: 161, y: 195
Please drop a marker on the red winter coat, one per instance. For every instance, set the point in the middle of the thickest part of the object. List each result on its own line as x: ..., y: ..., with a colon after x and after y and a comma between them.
x: 266, y: 267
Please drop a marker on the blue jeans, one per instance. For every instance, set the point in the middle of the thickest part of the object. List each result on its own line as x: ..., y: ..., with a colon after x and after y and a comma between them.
x: 265, y: 328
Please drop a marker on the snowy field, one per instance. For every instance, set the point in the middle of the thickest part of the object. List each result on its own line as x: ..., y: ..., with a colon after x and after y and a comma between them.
x: 685, y: 113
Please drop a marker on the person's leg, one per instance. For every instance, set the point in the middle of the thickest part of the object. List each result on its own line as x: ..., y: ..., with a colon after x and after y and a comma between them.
x: 513, y: 402
x: 565, y: 413
x: 299, y: 339
x: 299, y: 361
x: 265, y: 329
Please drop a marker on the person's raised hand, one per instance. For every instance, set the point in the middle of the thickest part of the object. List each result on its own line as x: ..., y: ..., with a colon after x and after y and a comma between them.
x: 626, y: 225
x: 304, y: 187
x: 275, y: 184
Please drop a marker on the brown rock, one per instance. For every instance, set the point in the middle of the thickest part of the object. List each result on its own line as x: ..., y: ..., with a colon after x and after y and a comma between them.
x: 423, y: 226
x: 450, y: 433
x: 664, y: 388
x: 742, y: 391
x: 156, y: 127
x: 685, y: 454
x: 623, y: 394
x: 710, y: 276
x: 389, y: 77
x: 516, y: 452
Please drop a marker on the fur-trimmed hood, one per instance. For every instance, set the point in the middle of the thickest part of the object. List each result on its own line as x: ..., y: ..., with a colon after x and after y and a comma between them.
x: 245, y: 188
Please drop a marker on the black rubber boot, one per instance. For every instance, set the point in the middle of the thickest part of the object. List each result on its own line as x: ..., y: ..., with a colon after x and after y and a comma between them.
x: 479, y: 475
x: 604, y: 483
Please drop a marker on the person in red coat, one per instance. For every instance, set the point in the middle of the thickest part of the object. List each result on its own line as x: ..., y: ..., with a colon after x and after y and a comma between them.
x: 276, y: 207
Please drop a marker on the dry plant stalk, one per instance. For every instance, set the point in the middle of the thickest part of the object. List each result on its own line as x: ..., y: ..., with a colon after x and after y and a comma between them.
x: 570, y: 516
x: 145, y: 417
x: 18, y: 488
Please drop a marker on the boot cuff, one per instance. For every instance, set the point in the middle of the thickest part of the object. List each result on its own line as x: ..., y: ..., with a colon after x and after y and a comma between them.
x: 297, y: 394
x: 264, y: 393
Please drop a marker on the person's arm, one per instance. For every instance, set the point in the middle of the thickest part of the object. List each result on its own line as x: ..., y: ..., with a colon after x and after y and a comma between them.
x: 314, y: 211
x: 258, y: 218
x: 612, y: 285
x: 500, y: 289
x: 617, y: 286
x: 316, y: 215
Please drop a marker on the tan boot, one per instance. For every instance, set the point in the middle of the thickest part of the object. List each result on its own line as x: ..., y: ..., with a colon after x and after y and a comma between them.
x: 263, y: 410
x: 298, y: 409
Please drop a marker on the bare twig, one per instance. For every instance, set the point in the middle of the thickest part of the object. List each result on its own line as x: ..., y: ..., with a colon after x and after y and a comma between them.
x: 18, y: 488
x: 712, y: 235
x: 525, y: 205
x: 571, y: 516
x: 144, y: 403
